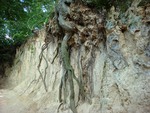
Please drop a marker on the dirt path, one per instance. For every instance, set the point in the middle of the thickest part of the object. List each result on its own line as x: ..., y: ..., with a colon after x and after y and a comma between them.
x: 11, y: 103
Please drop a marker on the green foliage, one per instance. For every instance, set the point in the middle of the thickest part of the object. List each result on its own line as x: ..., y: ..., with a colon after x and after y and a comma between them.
x: 18, y: 19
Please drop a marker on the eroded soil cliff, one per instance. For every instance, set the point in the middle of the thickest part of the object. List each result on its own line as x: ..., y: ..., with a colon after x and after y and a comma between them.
x: 109, y: 55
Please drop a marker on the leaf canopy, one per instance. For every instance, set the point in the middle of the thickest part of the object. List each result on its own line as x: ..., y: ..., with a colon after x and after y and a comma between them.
x: 18, y: 19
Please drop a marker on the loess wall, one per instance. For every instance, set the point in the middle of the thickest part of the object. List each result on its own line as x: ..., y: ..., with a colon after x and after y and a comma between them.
x: 115, y: 69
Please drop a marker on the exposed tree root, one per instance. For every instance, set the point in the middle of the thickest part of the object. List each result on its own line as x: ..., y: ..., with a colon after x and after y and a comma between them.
x: 81, y: 91
x: 70, y: 22
x: 44, y: 46
x: 68, y: 73
x: 57, y: 51
x: 69, y: 28
x: 59, y: 107
x: 28, y: 86
x: 40, y: 60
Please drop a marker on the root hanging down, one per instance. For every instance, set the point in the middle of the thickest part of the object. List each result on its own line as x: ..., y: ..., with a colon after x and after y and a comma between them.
x: 69, y: 28
x: 40, y: 60
x: 57, y: 51
x: 68, y: 76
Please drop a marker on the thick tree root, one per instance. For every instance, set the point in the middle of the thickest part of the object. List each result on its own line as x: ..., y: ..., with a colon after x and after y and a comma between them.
x: 63, y: 86
x: 68, y: 75
x: 68, y: 27
x: 72, y: 101
x: 81, y: 91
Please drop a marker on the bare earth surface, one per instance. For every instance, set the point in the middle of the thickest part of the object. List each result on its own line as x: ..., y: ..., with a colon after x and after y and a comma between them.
x: 11, y: 103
